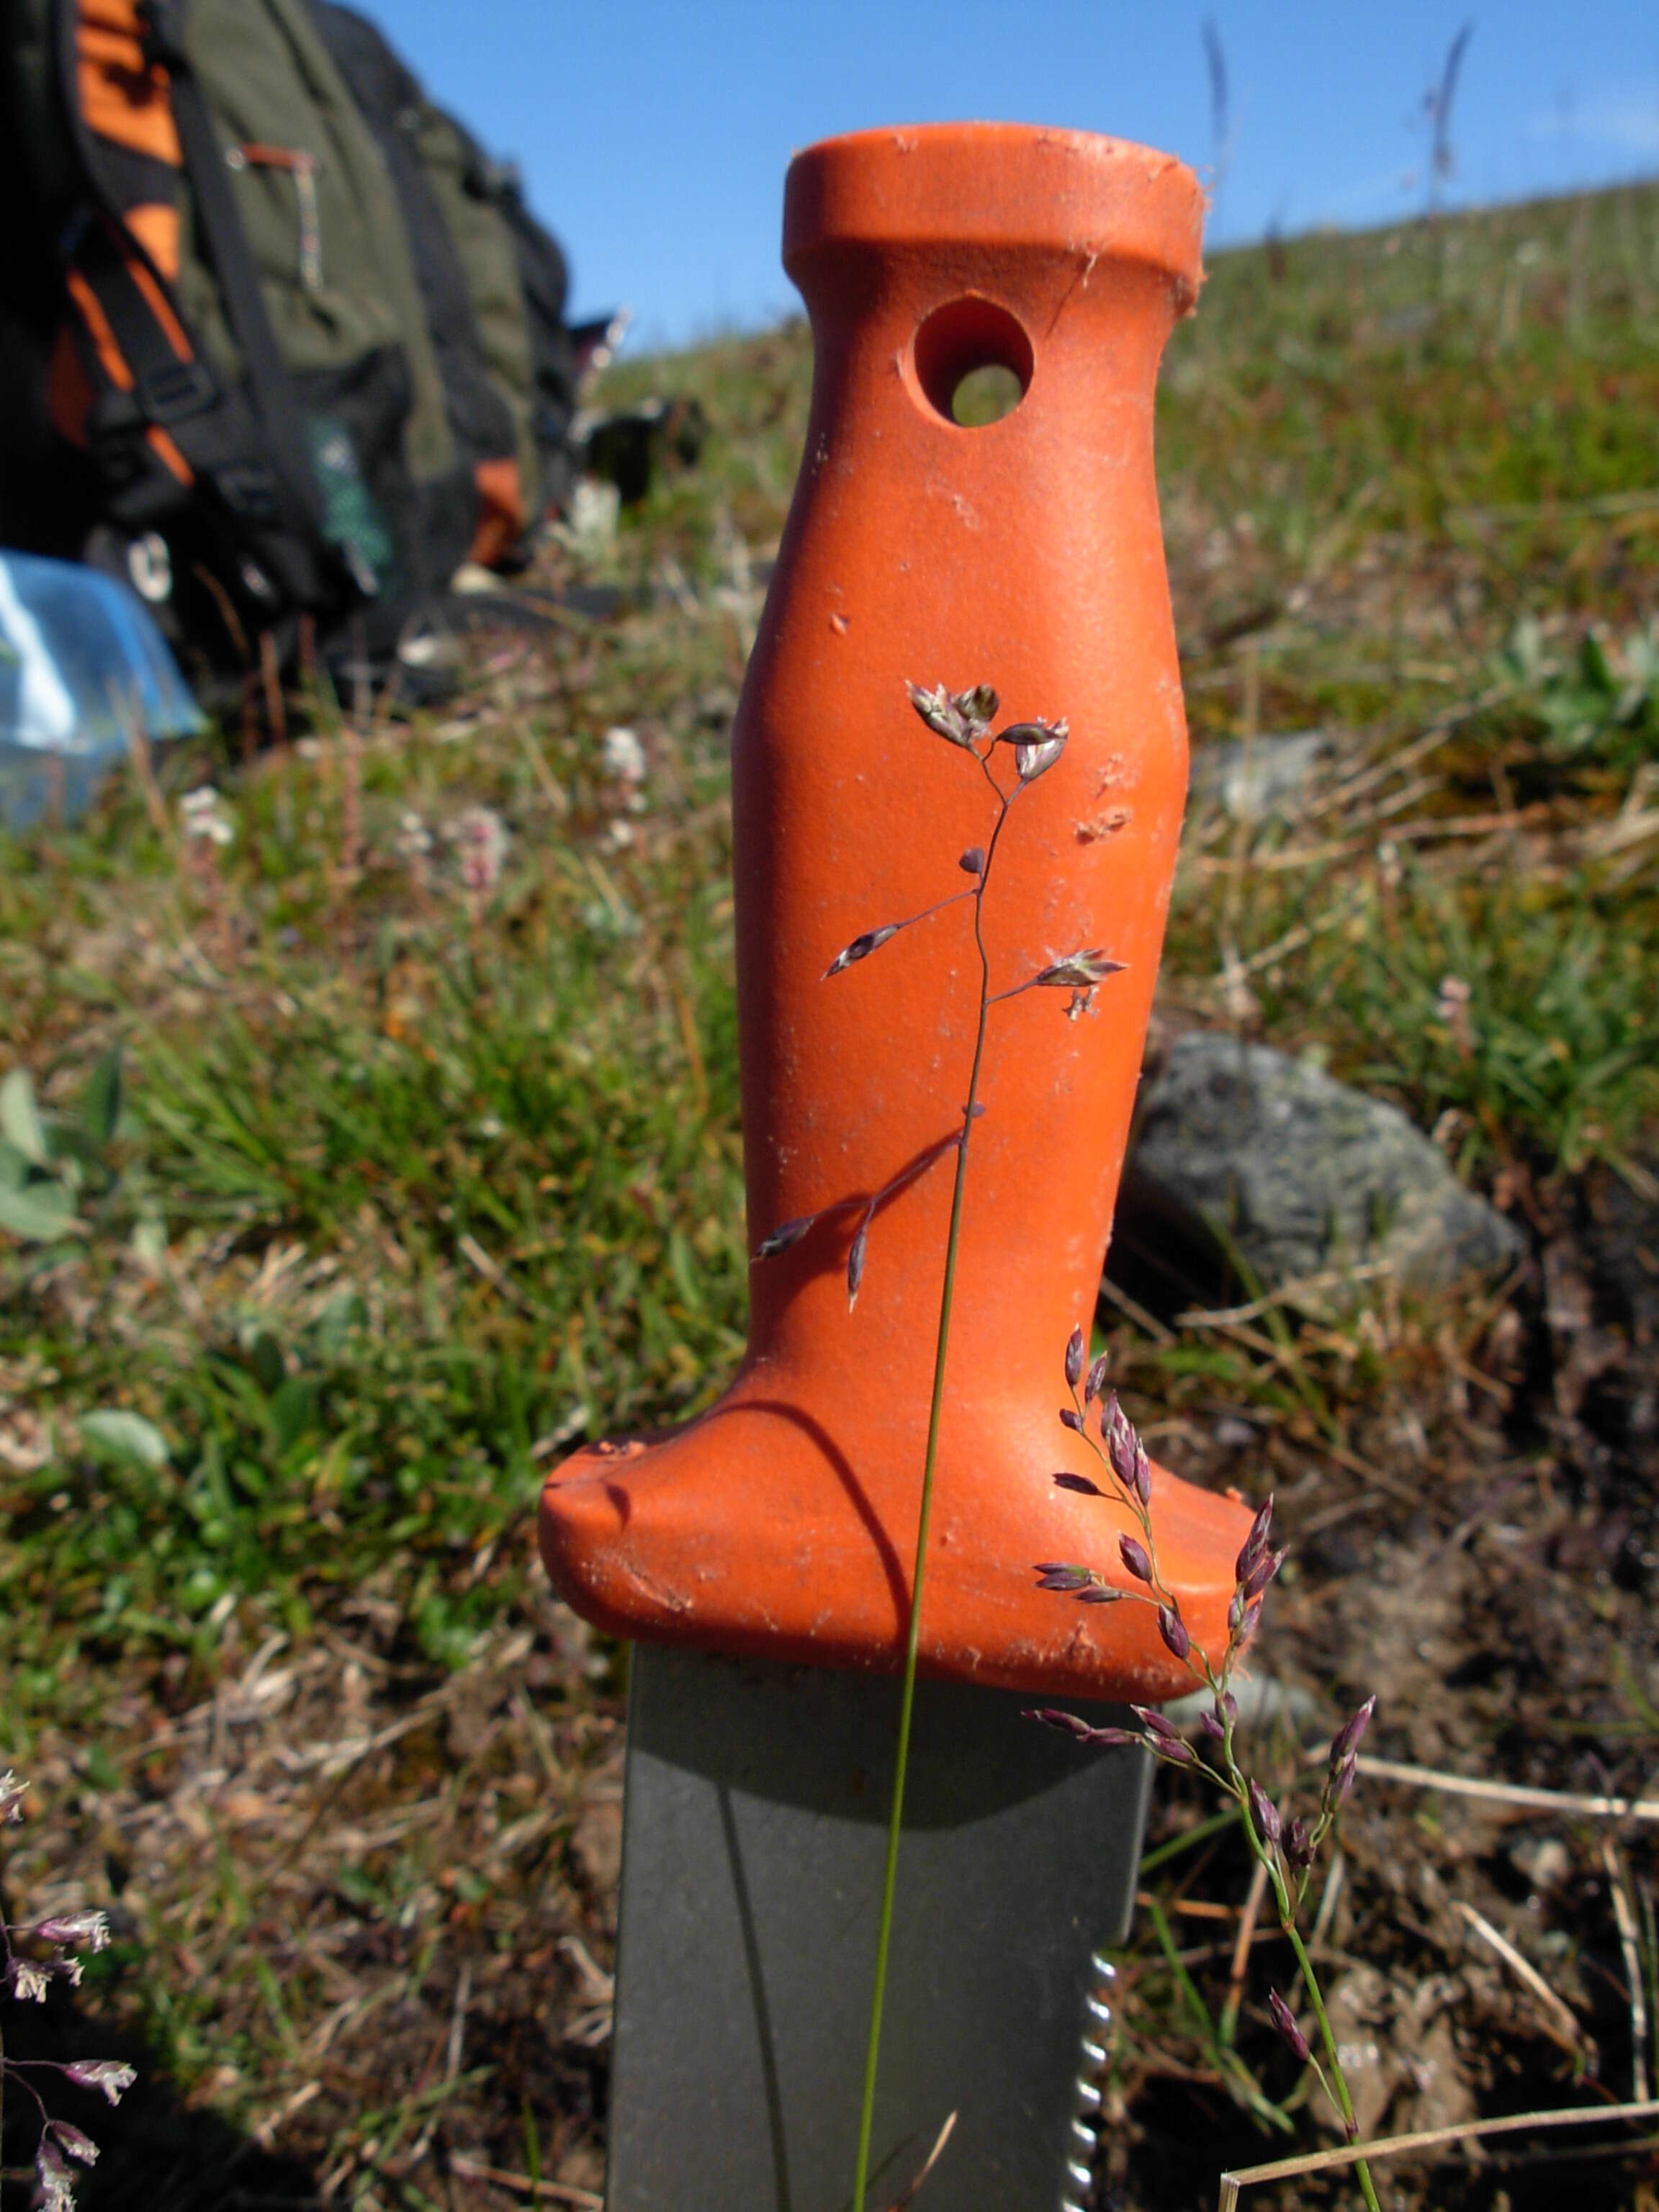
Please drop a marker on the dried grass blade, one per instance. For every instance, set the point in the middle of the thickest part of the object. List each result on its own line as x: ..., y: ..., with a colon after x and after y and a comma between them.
x: 1510, y: 1793
x: 1323, y: 2161
x: 1629, y: 1945
x: 1555, y: 2009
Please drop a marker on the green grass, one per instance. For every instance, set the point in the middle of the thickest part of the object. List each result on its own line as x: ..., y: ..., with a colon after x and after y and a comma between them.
x: 435, y: 1184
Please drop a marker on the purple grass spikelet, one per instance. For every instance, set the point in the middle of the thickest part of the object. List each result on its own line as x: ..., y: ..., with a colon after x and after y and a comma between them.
x: 1256, y: 1542
x: 76, y: 2144
x: 1038, y: 746
x: 1349, y: 1737
x: 1269, y: 1825
x: 1109, y: 1738
x: 1173, y: 1630
x: 1074, y: 1356
x: 1079, y: 971
x: 108, y: 2076
x: 1117, y: 1433
x: 1285, y: 2021
x: 1062, y: 1575
x: 781, y: 1239
x: 54, y: 2174
x: 1134, y: 1557
x: 861, y: 947
x: 855, y: 1259
x: 1261, y: 1575
x: 87, y: 1929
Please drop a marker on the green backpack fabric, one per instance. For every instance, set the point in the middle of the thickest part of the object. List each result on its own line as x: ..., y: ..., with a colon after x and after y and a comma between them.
x: 243, y: 376
x: 495, y: 284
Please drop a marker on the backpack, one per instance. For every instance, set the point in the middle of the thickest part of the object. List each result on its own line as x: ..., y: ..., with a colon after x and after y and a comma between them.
x: 495, y: 285
x: 268, y: 363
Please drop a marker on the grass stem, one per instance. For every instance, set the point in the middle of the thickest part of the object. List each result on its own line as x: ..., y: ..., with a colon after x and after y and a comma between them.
x: 912, y: 1635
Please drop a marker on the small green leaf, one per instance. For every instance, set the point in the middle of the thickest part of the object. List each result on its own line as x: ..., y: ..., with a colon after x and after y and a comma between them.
x: 100, y: 1102
x: 38, y: 1213
x: 293, y: 1410
x: 19, y: 1117
x: 1597, y: 666
x: 127, y: 1438
x: 265, y: 1356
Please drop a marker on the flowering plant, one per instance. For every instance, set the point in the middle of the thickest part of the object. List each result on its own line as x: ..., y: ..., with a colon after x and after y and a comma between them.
x: 66, y: 1938
x: 1285, y: 1850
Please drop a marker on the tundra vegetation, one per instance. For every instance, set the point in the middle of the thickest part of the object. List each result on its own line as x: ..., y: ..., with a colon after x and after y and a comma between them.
x: 370, y: 1134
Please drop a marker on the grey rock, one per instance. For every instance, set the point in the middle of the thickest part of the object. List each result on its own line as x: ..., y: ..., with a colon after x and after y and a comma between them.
x: 1299, y: 1174
x: 1255, y: 779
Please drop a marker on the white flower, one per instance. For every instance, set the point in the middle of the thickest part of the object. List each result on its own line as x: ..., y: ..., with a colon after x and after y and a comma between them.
x: 108, y: 2075
x: 624, y: 756
x: 11, y: 1796
x: 587, y: 529
x: 28, y: 1982
x: 482, y: 835
x: 90, y: 1929
x: 202, y: 817
x: 76, y: 2144
x: 414, y: 838
x: 57, y: 2181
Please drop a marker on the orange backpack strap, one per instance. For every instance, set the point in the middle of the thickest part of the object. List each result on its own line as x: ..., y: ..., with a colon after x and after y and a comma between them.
x: 172, y: 437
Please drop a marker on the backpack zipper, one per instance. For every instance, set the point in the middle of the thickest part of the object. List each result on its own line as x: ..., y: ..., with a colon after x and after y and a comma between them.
x: 303, y: 168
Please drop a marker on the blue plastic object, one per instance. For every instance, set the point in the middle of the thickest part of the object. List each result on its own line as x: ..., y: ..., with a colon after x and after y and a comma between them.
x: 82, y: 662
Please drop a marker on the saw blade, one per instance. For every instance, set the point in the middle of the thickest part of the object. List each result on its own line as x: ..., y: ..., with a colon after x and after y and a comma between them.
x: 754, y: 1836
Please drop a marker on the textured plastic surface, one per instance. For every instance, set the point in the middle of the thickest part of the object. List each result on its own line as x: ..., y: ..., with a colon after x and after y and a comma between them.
x: 1026, y: 553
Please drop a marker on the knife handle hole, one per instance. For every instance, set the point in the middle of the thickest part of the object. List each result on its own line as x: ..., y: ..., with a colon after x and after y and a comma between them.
x: 973, y: 362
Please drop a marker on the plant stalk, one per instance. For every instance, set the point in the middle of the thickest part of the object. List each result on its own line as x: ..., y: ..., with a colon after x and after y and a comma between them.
x: 1310, y: 1983
x: 912, y: 1637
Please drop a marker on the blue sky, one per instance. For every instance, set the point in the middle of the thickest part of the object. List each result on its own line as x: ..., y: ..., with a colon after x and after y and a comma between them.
x: 654, y: 138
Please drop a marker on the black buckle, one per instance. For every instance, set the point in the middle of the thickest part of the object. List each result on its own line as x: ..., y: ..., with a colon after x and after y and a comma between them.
x: 182, y: 389
x: 247, y: 488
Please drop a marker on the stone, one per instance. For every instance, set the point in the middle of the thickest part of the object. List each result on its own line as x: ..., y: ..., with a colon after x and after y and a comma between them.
x: 1298, y: 1174
x: 1254, y: 778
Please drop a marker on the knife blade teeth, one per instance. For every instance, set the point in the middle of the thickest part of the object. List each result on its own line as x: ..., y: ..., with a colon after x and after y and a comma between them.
x: 1085, y: 2136
x: 1102, y: 2012
x: 1088, y: 2092
x: 1105, y: 1970
x: 1070, y: 2204
x: 1080, y: 2175
x: 1096, y: 2053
